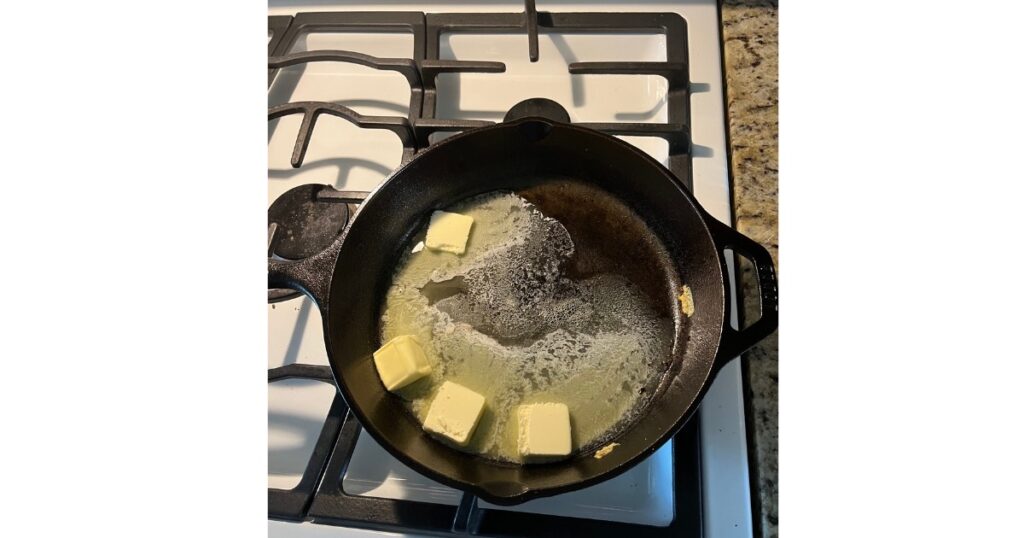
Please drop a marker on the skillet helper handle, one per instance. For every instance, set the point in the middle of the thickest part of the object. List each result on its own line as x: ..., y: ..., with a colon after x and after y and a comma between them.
x: 311, y: 275
x: 736, y: 342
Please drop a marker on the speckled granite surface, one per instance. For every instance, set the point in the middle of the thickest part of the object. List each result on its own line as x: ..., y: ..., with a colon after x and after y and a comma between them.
x: 750, y: 31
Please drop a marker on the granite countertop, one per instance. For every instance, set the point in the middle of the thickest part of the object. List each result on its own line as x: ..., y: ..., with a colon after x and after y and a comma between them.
x: 750, y: 32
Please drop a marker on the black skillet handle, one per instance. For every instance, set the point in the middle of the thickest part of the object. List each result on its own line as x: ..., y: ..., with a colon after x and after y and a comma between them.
x: 311, y: 275
x: 735, y: 342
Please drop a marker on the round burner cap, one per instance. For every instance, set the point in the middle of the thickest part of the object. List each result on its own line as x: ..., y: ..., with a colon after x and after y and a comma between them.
x: 538, y: 107
x: 307, y: 221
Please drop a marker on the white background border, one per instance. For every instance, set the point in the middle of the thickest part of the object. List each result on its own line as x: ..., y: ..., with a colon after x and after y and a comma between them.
x: 901, y: 188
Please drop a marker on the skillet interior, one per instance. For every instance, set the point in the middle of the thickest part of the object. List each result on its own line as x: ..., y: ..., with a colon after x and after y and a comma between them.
x: 526, y: 156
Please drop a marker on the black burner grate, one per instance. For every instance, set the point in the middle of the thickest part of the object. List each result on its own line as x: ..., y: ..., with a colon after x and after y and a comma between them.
x: 292, y: 504
x: 675, y: 69
x: 276, y: 27
x: 333, y: 506
x: 319, y: 497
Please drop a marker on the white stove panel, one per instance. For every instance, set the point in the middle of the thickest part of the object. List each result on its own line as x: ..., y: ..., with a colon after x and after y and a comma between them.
x: 643, y: 495
x: 296, y: 333
x: 353, y: 159
x: 298, y: 408
x: 374, y: 473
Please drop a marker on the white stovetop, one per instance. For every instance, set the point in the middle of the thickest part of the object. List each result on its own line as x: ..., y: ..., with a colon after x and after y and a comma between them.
x: 351, y: 159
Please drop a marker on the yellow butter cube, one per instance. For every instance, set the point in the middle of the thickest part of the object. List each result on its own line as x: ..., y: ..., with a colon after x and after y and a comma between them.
x: 544, y: 430
x: 448, y: 232
x: 454, y: 413
x: 400, y: 362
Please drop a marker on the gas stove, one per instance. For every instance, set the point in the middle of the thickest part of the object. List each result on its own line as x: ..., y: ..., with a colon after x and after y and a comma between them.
x: 356, y: 90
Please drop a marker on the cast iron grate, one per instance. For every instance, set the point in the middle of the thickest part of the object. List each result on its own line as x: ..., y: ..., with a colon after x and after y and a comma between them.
x: 319, y: 497
x: 292, y: 504
x: 276, y: 27
x: 333, y: 506
x: 675, y: 70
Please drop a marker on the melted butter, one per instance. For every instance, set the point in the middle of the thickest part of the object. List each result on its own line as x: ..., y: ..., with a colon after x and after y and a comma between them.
x: 504, y: 321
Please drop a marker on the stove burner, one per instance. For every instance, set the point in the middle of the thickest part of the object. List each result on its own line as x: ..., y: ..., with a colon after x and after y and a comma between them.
x: 538, y: 107
x: 319, y: 497
x: 308, y: 219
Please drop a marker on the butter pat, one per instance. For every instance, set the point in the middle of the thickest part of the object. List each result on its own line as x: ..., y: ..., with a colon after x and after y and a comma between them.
x: 544, y: 430
x: 448, y: 232
x: 400, y: 362
x: 454, y: 413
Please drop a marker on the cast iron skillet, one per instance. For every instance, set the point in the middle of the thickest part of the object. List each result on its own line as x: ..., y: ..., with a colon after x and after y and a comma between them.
x: 348, y: 280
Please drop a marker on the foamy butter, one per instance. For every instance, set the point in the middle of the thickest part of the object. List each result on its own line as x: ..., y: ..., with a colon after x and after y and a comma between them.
x: 503, y: 321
